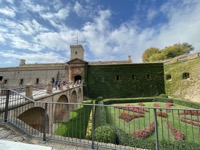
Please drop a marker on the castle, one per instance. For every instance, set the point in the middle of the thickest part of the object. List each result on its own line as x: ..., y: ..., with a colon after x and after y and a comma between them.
x: 103, y: 78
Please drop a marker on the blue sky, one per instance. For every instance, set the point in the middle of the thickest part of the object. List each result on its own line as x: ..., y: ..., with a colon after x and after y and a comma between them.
x: 41, y: 31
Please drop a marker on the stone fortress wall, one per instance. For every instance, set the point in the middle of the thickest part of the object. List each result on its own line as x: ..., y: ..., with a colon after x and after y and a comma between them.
x: 34, y: 74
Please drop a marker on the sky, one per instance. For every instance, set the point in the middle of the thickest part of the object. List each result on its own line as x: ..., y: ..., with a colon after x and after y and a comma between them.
x: 41, y: 31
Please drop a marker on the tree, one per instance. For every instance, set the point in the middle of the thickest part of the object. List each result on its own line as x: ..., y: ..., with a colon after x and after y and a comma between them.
x: 177, y: 50
x: 148, y: 53
x: 154, y: 54
x: 157, y: 57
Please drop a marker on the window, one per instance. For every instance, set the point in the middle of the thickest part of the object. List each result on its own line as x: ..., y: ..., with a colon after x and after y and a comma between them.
x: 5, y: 81
x: 37, y: 81
x: 117, y: 77
x: 1, y: 78
x: 148, y: 77
x: 21, y: 81
x: 133, y: 77
x: 168, y: 77
x: 76, y: 52
x: 186, y: 75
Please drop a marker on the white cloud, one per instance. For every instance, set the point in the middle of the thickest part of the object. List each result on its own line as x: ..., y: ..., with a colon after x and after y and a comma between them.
x: 28, y: 5
x: 33, y: 57
x: 63, y: 13
x: 151, y: 14
x: 8, y: 12
x: 19, y: 43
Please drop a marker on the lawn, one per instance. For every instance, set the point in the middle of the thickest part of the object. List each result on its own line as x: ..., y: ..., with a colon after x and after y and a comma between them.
x: 77, y: 125
x: 190, y: 132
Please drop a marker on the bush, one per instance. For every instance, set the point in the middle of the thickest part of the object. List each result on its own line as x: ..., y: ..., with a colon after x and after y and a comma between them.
x: 98, y: 99
x: 104, y: 134
x: 100, y: 115
x: 163, y: 96
x: 128, y: 100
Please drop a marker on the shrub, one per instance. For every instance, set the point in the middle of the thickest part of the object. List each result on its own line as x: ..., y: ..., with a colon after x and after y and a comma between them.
x: 100, y: 115
x: 104, y: 134
x: 98, y: 99
x: 163, y: 96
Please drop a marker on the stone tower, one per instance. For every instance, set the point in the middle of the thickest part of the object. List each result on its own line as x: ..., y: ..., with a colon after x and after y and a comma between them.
x: 77, y: 51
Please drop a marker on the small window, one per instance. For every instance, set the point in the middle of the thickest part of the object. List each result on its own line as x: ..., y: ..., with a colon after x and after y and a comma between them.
x: 37, y: 81
x: 186, y: 75
x: 168, y: 77
x: 52, y: 80
x: 21, y: 81
x: 1, y: 78
x: 117, y: 77
x: 148, y: 76
x: 133, y: 77
x: 76, y: 52
x: 5, y: 81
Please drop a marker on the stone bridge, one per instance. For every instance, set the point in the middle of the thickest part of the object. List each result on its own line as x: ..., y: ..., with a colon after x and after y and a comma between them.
x: 55, y: 105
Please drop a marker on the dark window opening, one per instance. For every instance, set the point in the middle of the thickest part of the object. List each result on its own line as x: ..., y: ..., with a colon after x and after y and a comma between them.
x: 133, y: 77
x: 21, y: 81
x: 52, y: 80
x: 76, y: 52
x: 148, y: 77
x: 37, y: 81
x: 168, y: 77
x: 186, y: 75
x: 1, y: 78
x: 77, y: 78
x: 5, y: 81
x: 117, y: 77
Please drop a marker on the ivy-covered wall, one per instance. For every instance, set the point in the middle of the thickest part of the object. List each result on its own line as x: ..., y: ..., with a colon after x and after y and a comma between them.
x: 182, y: 79
x: 125, y: 80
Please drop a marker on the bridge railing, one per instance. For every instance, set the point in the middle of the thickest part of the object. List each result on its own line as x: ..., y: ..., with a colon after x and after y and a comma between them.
x: 118, y: 126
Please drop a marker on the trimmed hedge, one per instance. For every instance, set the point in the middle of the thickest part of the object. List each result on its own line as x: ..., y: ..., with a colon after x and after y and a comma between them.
x: 100, y: 116
x: 179, y: 102
x: 128, y: 100
x: 152, y: 99
x: 104, y: 134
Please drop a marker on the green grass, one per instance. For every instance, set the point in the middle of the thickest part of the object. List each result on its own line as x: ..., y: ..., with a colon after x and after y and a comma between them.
x: 77, y: 125
x: 189, y: 131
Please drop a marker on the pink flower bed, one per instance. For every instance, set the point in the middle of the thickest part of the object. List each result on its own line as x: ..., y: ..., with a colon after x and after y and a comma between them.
x: 128, y: 117
x: 145, y: 133
x: 191, y: 112
x: 194, y: 123
x: 176, y: 133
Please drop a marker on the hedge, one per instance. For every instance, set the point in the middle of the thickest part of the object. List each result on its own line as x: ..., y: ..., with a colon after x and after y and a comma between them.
x: 128, y: 100
x: 179, y: 102
x: 152, y: 99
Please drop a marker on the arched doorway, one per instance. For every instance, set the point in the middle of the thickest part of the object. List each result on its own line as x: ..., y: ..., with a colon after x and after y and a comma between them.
x: 61, y: 112
x: 77, y: 78
x: 34, y: 117
x: 74, y: 100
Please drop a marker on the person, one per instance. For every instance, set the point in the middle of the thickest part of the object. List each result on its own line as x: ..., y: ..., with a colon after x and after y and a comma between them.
x: 56, y: 84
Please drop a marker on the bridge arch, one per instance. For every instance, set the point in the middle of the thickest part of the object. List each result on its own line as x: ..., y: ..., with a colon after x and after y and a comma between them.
x: 74, y: 100
x: 80, y: 95
x: 61, y: 111
x: 34, y: 117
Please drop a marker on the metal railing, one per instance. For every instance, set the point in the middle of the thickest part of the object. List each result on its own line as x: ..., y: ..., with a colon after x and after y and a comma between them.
x: 117, y: 126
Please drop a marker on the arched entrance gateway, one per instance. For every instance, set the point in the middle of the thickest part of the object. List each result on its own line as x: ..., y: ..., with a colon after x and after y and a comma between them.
x: 77, y: 78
